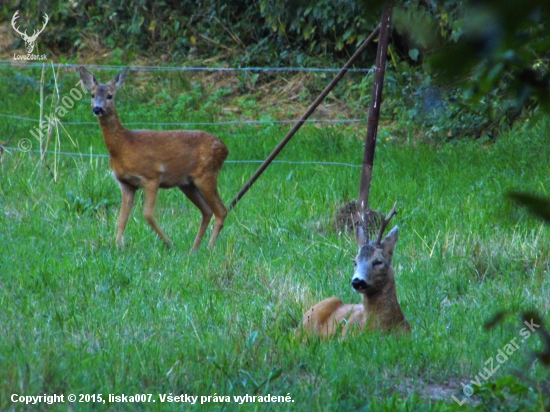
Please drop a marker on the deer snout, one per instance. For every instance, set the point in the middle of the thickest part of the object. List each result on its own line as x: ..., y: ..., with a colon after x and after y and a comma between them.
x: 359, y: 284
x: 98, y: 110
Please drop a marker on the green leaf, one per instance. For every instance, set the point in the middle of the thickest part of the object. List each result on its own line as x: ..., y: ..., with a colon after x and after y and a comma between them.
x: 348, y: 33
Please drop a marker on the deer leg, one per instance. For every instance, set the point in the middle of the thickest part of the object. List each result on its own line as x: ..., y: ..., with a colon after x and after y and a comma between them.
x: 209, y: 190
x: 151, y: 189
x: 198, y: 200
x: 128, y: 194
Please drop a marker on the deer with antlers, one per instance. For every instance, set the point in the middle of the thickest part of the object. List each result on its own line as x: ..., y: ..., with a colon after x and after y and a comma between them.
x: 373, y: 278
x: 187, y: 159
x: 29, y: 40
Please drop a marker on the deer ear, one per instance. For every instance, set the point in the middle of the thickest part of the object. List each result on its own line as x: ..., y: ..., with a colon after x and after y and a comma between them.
x: 119, y: 78
x: 388, y: 244
x: 88, y: 79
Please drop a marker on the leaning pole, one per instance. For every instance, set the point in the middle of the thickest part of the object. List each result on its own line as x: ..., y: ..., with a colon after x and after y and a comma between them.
x: 302, y: 120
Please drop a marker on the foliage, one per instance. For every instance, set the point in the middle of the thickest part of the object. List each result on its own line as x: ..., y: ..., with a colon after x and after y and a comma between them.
x: 256, y: 32
x: 469, y: 68
x: 502, y: 44
x: 322, y: 26
x: 167, y: 27
x: 458, y: 68
x: 508, y: 391
x: 442, y: 112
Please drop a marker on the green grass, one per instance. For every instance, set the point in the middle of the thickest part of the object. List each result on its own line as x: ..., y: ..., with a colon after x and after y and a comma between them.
x: 80, y: 316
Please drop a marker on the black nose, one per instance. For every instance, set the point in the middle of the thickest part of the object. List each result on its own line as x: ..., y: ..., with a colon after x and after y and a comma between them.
x: 358, y: 284
x: 98, y: 110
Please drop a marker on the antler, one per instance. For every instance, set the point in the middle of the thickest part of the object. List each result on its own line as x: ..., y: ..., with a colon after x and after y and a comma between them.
x: 364, y: 221
x: 25, y: 35
x: 384, y: 223
x: 36, y: 33
x: 13, y: 21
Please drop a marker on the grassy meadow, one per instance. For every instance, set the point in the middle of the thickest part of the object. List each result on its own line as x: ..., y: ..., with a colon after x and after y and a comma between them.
x: 79, y: 316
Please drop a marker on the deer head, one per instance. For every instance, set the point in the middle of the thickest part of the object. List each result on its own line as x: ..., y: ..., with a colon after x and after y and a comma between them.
x: 103, y: 95
x: 29, y: 40
x: 373, y: 269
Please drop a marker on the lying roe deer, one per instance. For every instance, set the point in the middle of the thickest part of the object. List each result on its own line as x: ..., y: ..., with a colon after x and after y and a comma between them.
x: 373, y: 278
x: 187, y: 159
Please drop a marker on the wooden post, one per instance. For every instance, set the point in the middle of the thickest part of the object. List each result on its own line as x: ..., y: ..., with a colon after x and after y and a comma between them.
x: 302, y: 120
x: 374, y: 110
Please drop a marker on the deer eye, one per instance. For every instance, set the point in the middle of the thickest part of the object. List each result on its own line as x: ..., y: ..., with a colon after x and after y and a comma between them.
x: 93, y: 96
x: 378, y: 263
x: 109, y: 96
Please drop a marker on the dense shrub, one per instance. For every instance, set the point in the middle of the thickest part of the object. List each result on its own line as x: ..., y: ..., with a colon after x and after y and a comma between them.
x: 457, y: 67
x: 254, y: 32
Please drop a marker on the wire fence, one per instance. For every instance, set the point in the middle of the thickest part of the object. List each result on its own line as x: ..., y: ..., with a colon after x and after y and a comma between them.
x: 106, y: 156
x: 219, y: 123
x: 20, y: 64
x: 26, y: 148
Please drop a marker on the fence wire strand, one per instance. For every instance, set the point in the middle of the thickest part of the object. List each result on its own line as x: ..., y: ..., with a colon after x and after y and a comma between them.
x: 221, y: 123
x: 20, y: 64
x: 106, y: 156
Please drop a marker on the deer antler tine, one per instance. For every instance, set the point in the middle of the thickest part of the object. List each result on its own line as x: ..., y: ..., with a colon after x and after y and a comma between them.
x: 384, y: 223
x: 37, y: 32
x: 365, y: 225
x: 46, y: 20
x: 364, y: 220
x: 14, y: 22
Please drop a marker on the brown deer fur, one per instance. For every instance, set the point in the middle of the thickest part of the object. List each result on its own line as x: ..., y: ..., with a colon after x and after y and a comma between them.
x: 374, y: 279
x: 187, y: 159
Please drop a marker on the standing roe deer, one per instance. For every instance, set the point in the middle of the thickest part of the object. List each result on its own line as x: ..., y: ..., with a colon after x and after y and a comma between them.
x: 373, y: 278
x: 187, y: 159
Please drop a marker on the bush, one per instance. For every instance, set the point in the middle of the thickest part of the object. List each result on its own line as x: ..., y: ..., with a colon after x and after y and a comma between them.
x: 256, y: 32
